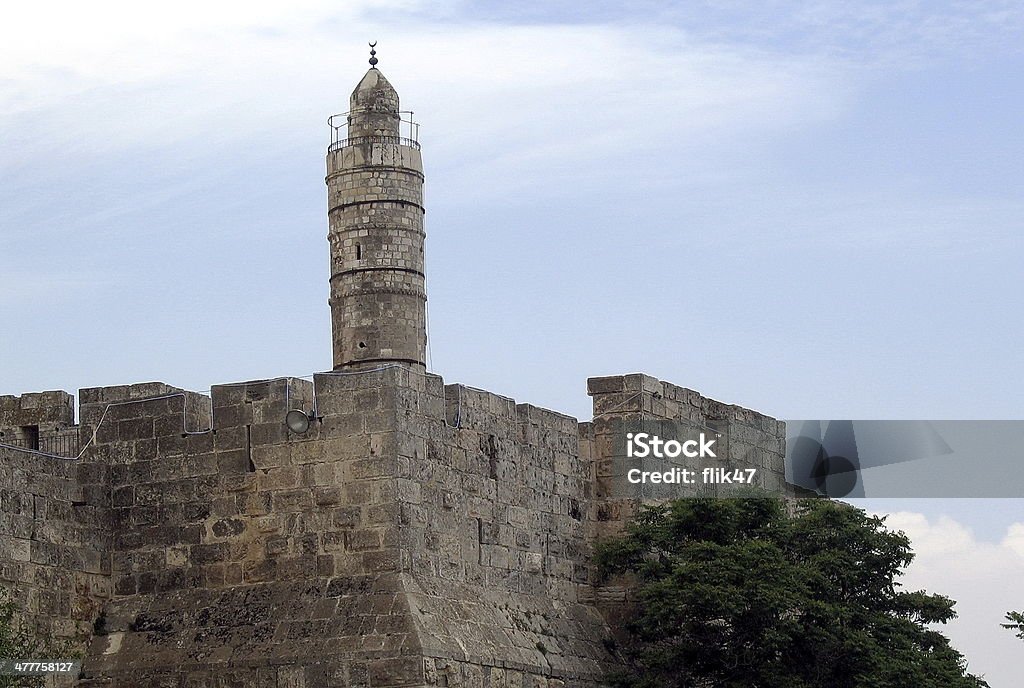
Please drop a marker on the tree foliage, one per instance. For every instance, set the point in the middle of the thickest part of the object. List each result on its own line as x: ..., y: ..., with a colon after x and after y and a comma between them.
x: 738, y: 593
x: 1016, y: 623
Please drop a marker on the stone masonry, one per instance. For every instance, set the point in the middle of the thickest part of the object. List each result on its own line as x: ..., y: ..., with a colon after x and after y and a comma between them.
x: 416, y: 534
x: 375, y: 209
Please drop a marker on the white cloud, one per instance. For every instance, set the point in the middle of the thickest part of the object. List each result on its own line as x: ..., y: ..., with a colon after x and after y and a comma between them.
x: 510, y: 103
x: 983, y: 577
x: 1014, y: 540
x: 117, y: 40
x: 941, y: 538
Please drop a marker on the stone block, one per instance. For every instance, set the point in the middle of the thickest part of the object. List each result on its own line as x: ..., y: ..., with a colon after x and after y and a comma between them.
x: 322, y: 474
x: 605, y: 385
x: 227, y: 527
x: 227, y: 439
x: 400, y: 671
x: 271, y: 456
x: 346, y: 517
x: 638, y: 382
x: 284, y: 477
x: 307, y: 452
x: 360, y: 540
x: 326, y: 496
x: 292, y: 500
x: 232, y: 462
x: 269, y: 433
x: 380, y: 561
x: 342, y: 425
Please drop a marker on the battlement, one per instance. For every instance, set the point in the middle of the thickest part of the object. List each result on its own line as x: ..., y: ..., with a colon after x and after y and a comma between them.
x: 744, y: 438
x: 37, y: 408
x: 637, y: 392
x: 41, y: 421
x: 401, y: 487
x: 746, y: 433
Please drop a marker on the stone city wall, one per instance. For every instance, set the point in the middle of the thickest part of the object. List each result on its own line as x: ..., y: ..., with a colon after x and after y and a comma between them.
x: 251, y: 555
x: 55, y: 531
x: 417, y: 534
x: 494, y: 520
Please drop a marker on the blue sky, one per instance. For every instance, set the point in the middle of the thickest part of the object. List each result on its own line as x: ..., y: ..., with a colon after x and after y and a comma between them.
x: 809, y: 208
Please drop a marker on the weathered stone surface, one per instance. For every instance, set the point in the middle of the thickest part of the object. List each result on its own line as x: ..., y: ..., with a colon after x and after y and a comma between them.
x: 375, y: 202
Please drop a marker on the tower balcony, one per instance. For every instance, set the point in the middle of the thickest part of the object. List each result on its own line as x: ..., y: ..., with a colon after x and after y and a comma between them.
x: 408, y: 132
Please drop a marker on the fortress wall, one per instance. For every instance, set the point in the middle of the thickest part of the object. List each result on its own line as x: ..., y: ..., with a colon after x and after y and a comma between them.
x: 55, y: 407
x: 54, y: 525
x: 251, y: 555
x: 495, y: 531
x: 501, y: 498
x: 418, y: 534
x: 155, y: 478
x: 53, y: 545
x: 745, y: 438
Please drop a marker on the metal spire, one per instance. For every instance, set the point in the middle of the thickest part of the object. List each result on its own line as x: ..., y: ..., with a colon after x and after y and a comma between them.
x: 373, y: 59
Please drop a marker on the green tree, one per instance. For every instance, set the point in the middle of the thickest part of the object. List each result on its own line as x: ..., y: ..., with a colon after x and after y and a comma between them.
x: 1016, y: 620
x: 737, y: 593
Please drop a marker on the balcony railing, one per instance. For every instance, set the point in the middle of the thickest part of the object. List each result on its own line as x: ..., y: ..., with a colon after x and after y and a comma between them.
x: 64, y: 444
x: 356, y: 140
x: 408, y: 132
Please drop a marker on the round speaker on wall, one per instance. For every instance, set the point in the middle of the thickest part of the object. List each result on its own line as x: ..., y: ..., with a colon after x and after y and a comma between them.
x: 297, y: 421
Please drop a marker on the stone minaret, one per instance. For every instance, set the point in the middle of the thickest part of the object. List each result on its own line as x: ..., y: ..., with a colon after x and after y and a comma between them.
x: 375, y: 210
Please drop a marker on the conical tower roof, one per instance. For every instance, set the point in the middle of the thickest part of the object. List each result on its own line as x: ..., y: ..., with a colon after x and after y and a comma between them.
x: 374, y: 92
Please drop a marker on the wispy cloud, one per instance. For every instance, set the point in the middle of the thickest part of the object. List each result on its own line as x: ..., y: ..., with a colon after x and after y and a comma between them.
x: 526, y: 104
x: 871, y: 32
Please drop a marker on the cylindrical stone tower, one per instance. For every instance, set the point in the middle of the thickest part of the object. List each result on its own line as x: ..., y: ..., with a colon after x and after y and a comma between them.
x: 375, y: 211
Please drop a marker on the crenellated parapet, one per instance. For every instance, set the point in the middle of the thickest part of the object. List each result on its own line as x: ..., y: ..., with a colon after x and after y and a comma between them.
x: 450, y: 528
x: 744, y: 439
x: 41, y: 421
